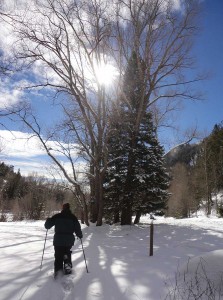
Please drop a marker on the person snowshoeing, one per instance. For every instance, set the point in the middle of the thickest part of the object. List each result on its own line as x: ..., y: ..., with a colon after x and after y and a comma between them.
x: 66, y: 224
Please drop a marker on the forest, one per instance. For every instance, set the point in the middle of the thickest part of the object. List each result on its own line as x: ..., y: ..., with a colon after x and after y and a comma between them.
x: 197, y: 176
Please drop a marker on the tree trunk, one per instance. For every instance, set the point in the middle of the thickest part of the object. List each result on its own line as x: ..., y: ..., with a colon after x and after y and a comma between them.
x: 94, y: 211
x: 94, y: 197
x: 137, y: 218
x: 100, y: 200
x: 82, y: 217
x: 126, y: 214
x: 116, y: 216
x: 85, y: 214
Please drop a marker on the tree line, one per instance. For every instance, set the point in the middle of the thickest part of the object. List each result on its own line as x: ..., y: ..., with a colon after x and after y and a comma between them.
x: 197, y: 176
x: 29, y: 198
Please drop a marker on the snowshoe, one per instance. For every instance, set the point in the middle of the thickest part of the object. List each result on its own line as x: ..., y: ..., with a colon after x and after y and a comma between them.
x: 67, y: 265
x: 58, y: 274
x: 67, y: 269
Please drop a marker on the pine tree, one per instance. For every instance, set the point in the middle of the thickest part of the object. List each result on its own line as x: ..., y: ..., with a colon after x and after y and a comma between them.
x: 150, y: 175
x: 215, y: 151
x: 115, y: 175
x: 136, y: 180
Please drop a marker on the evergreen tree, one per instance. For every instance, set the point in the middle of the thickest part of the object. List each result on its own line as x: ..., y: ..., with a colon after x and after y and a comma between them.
x: 115, y: 174
x: 150, y: 175
x: 215, y: 151
x: 136, y: 180
x: 209, y: 167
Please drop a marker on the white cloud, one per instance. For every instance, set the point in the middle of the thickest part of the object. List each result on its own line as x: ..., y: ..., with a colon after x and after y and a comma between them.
x: 24, y: 152
x: 19, y: 144
x: 177, y: 5
x: 10, y: 94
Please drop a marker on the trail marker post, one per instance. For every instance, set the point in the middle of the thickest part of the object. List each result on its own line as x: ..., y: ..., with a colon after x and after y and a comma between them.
x: 151, y: 239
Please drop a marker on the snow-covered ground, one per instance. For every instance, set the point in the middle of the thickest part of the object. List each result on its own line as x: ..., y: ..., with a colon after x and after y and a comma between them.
x: 118, y: 260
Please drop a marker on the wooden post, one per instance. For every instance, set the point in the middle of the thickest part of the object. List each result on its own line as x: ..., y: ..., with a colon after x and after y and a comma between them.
x: 151, y: 239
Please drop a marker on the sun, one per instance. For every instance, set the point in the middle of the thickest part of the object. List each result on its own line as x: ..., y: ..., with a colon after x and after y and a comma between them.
x: 105, y: 73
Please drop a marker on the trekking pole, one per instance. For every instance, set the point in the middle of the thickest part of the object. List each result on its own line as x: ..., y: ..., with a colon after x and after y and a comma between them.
x: 84, y: 256
x: 43, y: 250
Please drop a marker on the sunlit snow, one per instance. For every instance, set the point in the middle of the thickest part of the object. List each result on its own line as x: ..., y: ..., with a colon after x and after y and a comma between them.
x: 118, y: 260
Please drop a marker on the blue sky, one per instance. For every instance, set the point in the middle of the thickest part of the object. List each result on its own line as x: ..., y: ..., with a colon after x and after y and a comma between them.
x: 208, y: 51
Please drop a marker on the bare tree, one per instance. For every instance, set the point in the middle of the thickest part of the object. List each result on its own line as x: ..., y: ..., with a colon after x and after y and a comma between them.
x: 71, y: 40
x: 182, y: 202
x: 162, y: 37
x: 73, y: 48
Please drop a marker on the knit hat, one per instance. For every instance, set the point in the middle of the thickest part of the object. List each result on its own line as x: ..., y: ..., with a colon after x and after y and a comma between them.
x: 66, y: 206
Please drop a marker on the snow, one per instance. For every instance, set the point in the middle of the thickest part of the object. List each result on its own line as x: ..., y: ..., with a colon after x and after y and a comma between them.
x: 118, y: 260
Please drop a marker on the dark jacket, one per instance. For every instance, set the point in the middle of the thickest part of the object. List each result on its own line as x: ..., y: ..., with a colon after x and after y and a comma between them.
x: 65, y: 225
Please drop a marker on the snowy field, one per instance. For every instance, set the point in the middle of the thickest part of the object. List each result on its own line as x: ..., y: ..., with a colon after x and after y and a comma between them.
x: 118, y: 260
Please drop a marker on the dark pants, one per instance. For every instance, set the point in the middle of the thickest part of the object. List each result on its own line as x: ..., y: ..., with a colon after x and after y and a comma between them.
x: 62, y: 258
